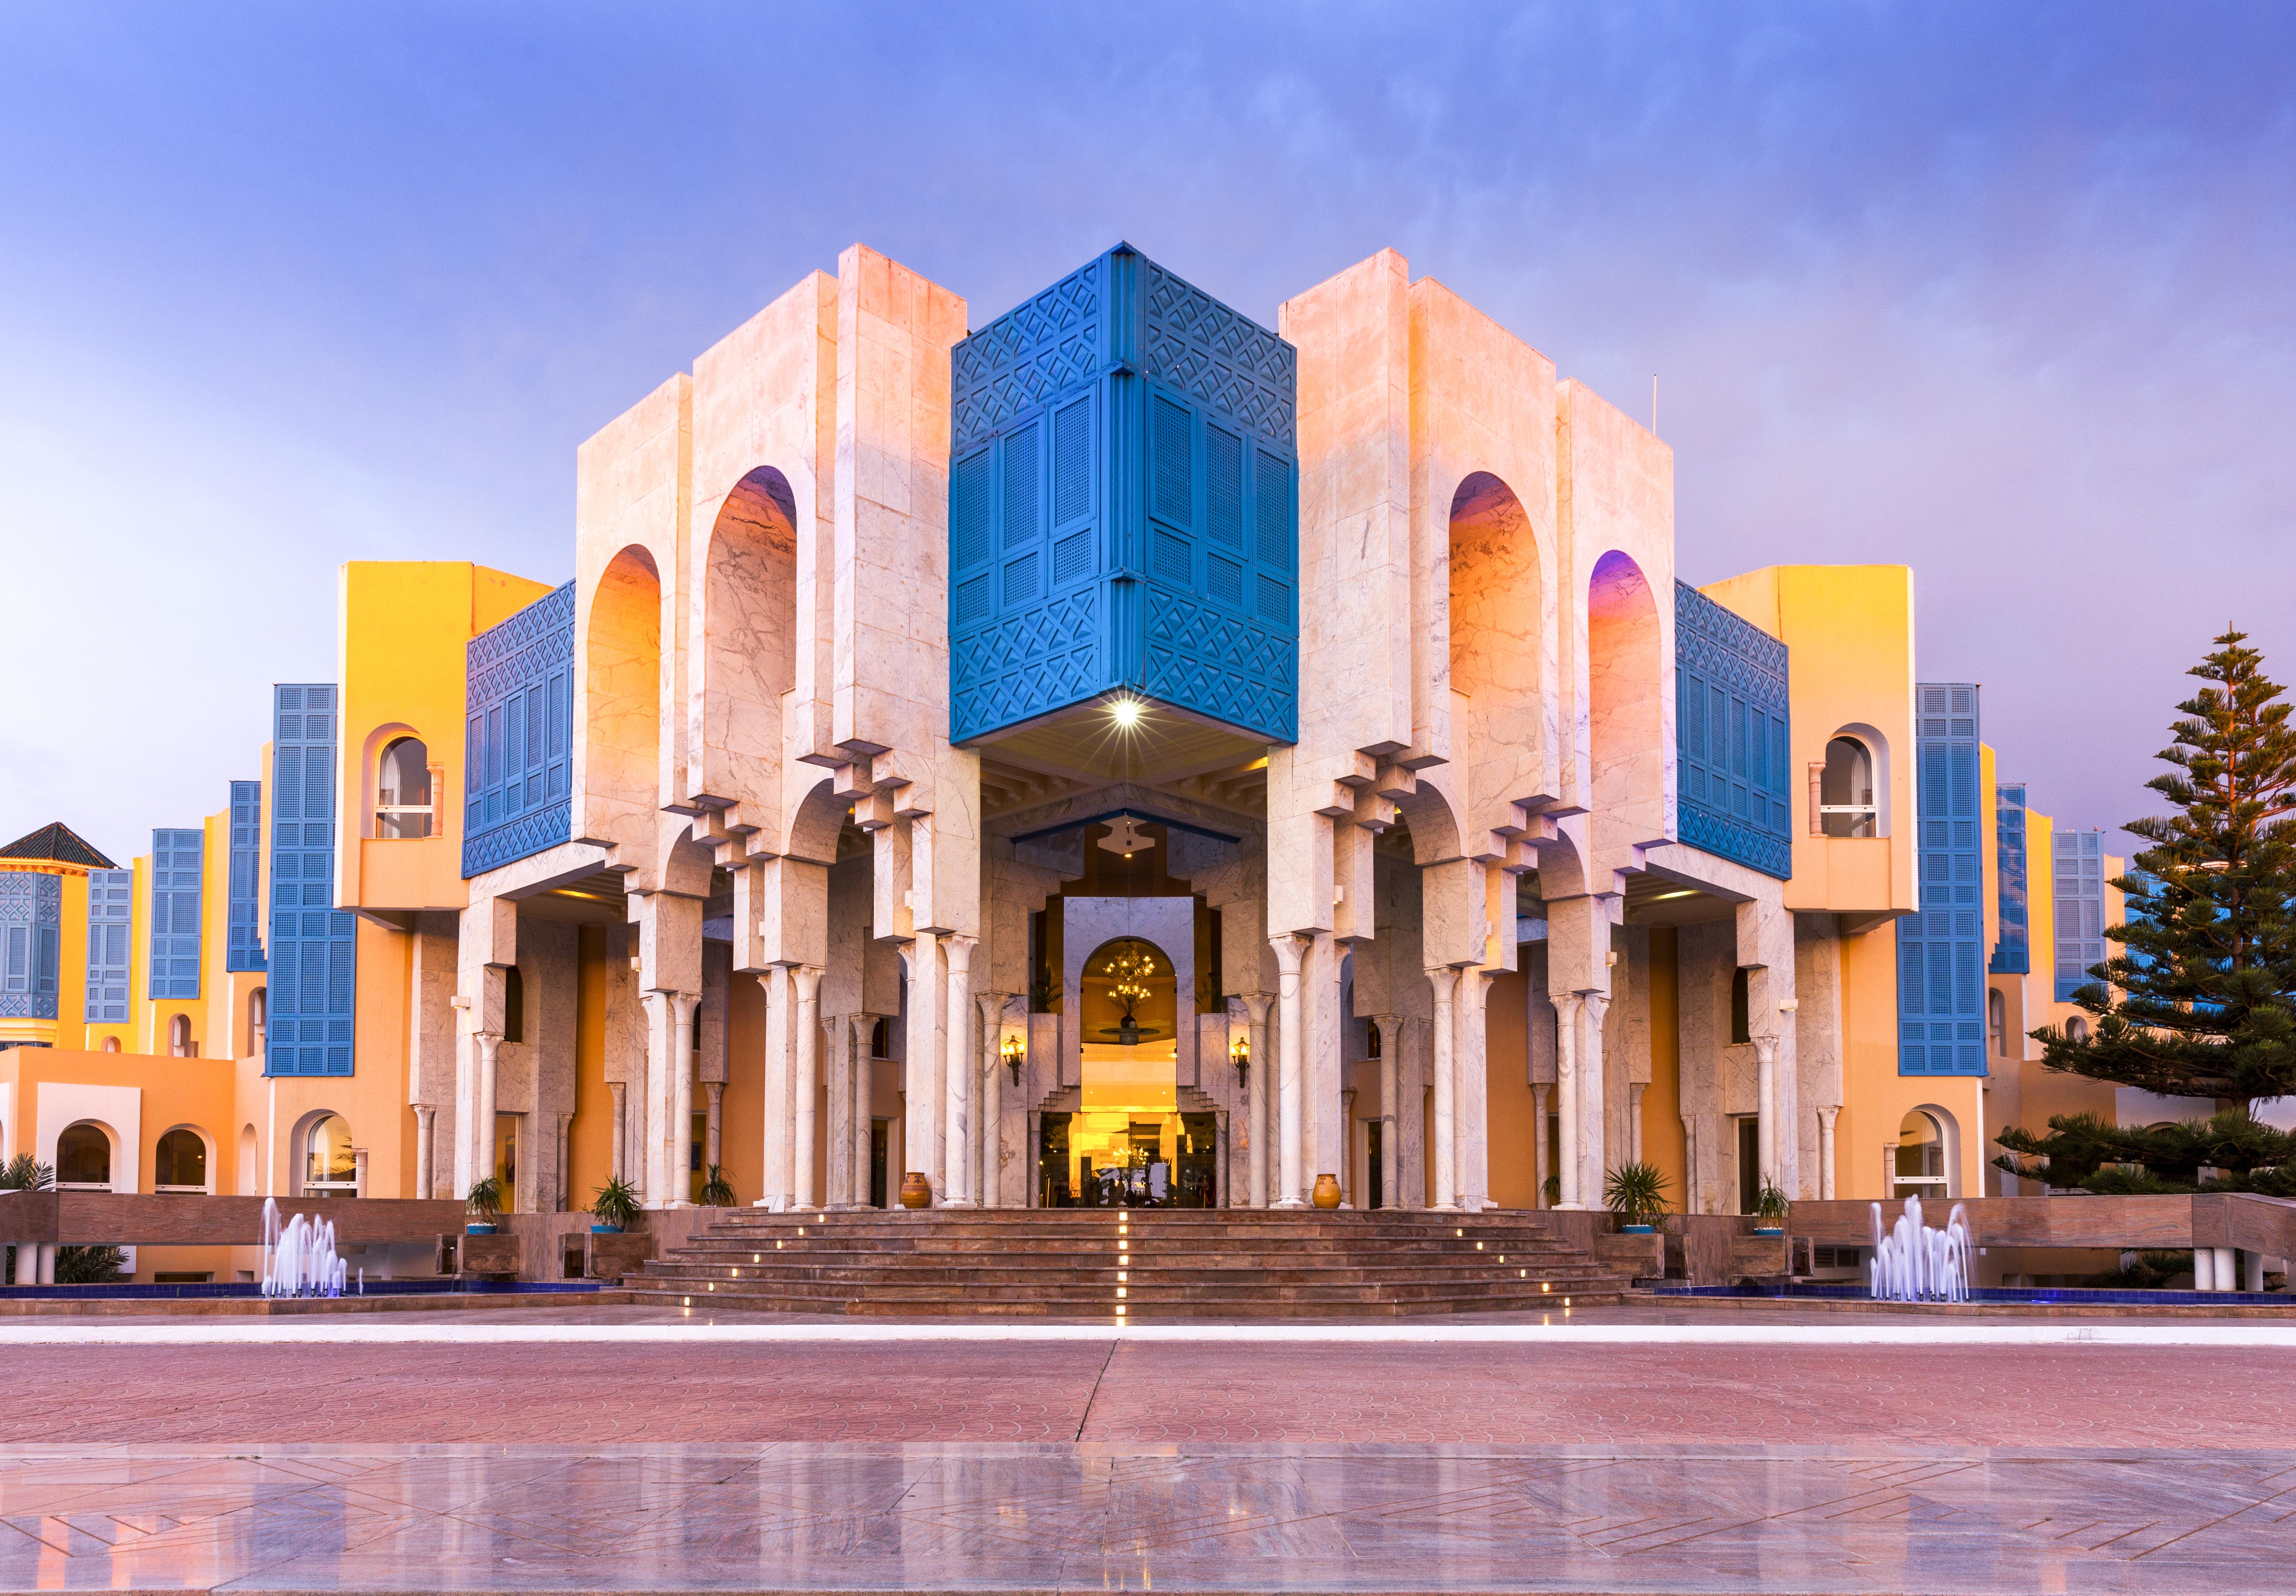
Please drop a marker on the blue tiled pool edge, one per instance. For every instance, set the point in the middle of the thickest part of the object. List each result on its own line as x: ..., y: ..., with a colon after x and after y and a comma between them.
x: 149, y: 1292
x: 2028, y: 1295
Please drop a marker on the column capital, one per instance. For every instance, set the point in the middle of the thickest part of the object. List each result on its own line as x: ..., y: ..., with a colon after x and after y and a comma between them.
x: 1827, y: 1113
x: 1255, y: 1006
x: 1290, y: 951
x: 959, y: 948
x: 808, y: 982
x: 1446, y: 980
x: 1766, y: 1049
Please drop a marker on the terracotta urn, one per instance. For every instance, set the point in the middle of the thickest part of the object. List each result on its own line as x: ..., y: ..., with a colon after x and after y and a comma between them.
x: 916, y: 1191
x: 1327, y: 1191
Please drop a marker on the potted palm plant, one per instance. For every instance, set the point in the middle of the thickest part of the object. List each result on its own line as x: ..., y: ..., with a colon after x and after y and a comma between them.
x: 485, y: 1204
x: 717, y: 1191
x: 1636, y: 1194
x: 615, y: 1207
x: 1770, y: 1205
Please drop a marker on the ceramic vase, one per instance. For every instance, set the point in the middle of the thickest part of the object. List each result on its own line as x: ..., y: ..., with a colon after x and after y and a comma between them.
x: 1327, y: 1191
x: 916, y: 1191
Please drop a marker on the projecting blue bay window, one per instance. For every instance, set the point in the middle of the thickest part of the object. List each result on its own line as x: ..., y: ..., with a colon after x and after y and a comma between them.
x: 1731, y: 728
x: 1942, y: 950
x: 518, y: 745
x: 311, y: 994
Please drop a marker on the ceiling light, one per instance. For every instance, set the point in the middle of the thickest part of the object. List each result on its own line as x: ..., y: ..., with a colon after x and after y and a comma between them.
x: 1659, y: 898
x: 1126, y: 712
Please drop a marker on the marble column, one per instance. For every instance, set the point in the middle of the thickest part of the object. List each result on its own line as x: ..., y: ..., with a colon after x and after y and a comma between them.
x: 837, y: 1069
x: 1766, y: 1116
x: 957, y: 1085
x: 1826, y: 1117
x: 806, y: 1086
x: 1391, y: 1107
x: 426, y: 1147
x: 482, y: 1129
x: 713, y: 1135
x: 1635, y: 1090
x: 989, y: 1073
x: 1443, y: 1038
x: 781, y: 1005
x: 865, y: 1086
x: 681, y: 1055
x: 1263, y: 1070
x: 619, y: 1167
x: 1568, y: 1007
x: 921, y: 1070
x: 1594, y: 1149
x: 1291, y: 1022
x: 1469, y: 1105
x: 1539, y: 1170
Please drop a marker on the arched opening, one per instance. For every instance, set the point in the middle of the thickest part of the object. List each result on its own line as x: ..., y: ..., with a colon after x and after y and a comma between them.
x: 112, y: 1044
x: 1846, y: 802
x: 1923, y: 1162
x: 180, y: 1161
x: 329, y: 1164
x: 749, y: 642
x: 1495, y: 606
x: 1128, y: 1144
x: 179, y: 1036
x: 2077, y: 1029
x: 623, y: 684
x: 1373, y: 1042
x: 258, y: 1009
x: 880, y: 1040
x: 84, y: 1158
x: 1625, y: 756
x: 1997, y: 1021
x: 513, y: 1005
x: 248, y: 1170
x: 403, y: 804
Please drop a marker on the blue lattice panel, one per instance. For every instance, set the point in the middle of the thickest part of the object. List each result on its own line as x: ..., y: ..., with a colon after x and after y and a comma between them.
x: 518, y: 749
x: 1123, y: 508
x: 1731, y: 736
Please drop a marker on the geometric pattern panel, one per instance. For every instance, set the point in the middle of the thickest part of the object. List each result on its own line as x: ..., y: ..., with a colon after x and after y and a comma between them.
x: 1220, y: 359
x: 31, y: 922
x: 1733, y: 797
x: 2013, y: 949
x: 178, y: 858
x: 518, y: 747
x: 310, y: 998
x: 1941, y: 948
x: 2078, y: 892
x: 244, y: 932
x: 1123, y: 488
x: 110, y: 909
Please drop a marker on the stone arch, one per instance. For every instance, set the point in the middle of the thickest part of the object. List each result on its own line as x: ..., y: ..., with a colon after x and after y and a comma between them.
x: 87, y: 1155
x: 183, y: 1151
x: 249, y: 1162
x: 622, y: 698
x: 1496, y: 648
x: 748, y: 645
x: 816, y: 823
x: 1626, y: 751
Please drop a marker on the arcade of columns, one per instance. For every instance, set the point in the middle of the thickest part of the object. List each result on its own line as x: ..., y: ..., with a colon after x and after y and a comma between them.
x: 760, y: 743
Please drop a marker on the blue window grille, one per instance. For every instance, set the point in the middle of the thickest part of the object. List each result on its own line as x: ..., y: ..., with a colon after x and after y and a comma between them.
x: 1732, y: 796
x: 31, y: 923
x: 2012, y: 950
x: 179, y: 860
x: 244, y: 940
x: 1941, y: 948
x: 2079, y: 893
x: 110, y: 914
x: 1124, y: 506
x: 311, y: 994
x: 518, y: 744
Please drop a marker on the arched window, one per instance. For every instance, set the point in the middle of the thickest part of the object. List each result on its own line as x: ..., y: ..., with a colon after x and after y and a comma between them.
x: 112, y: 1044
x: 1997, y: 1021
x: 1373, y: 1046
x: 84, y: 1158
x: 402, y: 789
x: 1741, y: 1018
x: 881, y: 1040
x: 248, y: 1170
x: 328, y: 1167
x: 179, y: 1036
x: 1921, y: 1169
x: 1845, y: 792
x: 2077, y: 1029
x: 181, y: 1163
x: 258, y: 1011
x: 513, y: 1006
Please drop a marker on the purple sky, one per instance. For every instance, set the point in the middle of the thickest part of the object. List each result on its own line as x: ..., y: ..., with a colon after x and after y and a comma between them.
x: 2004, y: 292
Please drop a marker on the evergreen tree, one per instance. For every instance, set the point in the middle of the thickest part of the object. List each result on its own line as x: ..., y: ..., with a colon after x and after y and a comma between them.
x: 2201, y: 1003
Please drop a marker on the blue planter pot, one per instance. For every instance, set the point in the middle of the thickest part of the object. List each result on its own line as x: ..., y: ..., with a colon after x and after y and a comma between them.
x: 1769, y: 1230
x: 1637, y: 1230
x: 605, y: 1230
x: 478, y: 1230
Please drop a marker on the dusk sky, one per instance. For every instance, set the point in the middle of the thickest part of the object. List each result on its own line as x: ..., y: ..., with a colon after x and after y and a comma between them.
x: 2002, y: 292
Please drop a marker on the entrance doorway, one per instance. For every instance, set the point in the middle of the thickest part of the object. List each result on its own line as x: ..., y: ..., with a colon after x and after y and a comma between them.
x: 881, y: 1148
x: 1376, y: 1182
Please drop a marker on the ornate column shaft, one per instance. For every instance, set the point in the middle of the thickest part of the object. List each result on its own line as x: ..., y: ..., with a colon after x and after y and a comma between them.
x: 989, y: 1071
x: 680, y: 1052
x: 1391, y: 1107
x: 425, y: 1147
x: 1255, y: 1091
x: 956, y: 1082
x: 1766, y: 1116
x: 1540, y: 1170
x: 1290, y: 1087
x: 1567, y: 1008
x: 920, y: 1136
x: 806, y: 1086
x: 1826, y: 1117
x: 482, y: 1131
x: 1443, y: 1143
x: 1594, y: 1128
x: 618, y: 1152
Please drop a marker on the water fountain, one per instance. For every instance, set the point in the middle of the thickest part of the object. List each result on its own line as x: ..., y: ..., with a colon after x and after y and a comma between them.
x: 299, y: 1259
x: 1913, y: 1262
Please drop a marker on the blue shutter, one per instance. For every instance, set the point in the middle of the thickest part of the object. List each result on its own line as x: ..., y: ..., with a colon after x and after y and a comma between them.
x: 2079, y: 894
x: 311, y: 997
x: 2012, y: 950
x: 1731, y: 735
x: 1941, y: 948
x: 243, y: 942
x: 31, y: 920
x: 518, y: 747
x: 110, y: 909
x: 178, y: 857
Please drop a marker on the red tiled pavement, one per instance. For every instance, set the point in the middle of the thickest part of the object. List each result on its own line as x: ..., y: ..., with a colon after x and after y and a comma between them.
x: 1149, y: 1392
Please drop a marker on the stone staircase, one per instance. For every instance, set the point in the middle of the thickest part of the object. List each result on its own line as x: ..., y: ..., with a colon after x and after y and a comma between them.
x: 1133, y: 1263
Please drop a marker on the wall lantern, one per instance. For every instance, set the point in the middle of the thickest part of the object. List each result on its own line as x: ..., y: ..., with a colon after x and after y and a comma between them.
x: 1013, y: 1050
x: 1239, y: 1053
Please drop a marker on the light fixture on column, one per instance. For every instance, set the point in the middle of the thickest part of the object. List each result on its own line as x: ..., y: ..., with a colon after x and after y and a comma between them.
x: 1013, y: 1050
x: 1239, y: 1053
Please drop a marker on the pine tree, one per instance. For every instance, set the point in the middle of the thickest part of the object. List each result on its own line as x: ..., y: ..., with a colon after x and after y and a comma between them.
x: 2201, y: 1003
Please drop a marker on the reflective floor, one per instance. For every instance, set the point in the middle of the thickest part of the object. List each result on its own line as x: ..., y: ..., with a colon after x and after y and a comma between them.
x: 972, y: 1515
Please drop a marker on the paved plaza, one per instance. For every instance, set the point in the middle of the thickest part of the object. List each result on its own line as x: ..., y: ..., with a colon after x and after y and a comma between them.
x: 1629, y: 1450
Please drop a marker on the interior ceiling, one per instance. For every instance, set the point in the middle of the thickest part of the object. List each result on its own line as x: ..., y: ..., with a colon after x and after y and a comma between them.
x: 1094, y: 744
x: 596, y: 899
x: 1655, y: 900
